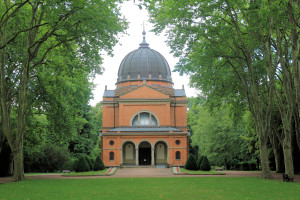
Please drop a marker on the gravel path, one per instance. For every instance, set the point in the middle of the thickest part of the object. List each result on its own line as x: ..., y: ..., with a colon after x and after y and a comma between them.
x: 148, y: 172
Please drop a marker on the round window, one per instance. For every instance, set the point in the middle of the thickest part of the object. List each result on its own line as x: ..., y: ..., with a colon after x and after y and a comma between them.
x: 111, y: 142
x: 177, y: 142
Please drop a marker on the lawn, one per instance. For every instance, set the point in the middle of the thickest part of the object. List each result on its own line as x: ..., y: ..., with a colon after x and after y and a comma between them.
x: 90, y: 173
x: 151, y: 188
x: 198, y: 172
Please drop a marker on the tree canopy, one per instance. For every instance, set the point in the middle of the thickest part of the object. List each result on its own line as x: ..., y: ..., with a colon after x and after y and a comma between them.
x: 49, y: 51
x: 239, y: 52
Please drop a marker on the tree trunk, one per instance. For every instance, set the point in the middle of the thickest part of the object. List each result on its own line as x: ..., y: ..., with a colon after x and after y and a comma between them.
x: 18, y: 164
x: 288, y: 157
x: 276, y: 151
x: 264, y: 157
x: 277, y: 160
x: 225, y: 163
x: 1, y: 136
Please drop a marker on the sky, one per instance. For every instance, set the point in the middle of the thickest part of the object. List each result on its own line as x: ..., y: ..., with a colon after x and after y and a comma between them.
x: 129, y: 42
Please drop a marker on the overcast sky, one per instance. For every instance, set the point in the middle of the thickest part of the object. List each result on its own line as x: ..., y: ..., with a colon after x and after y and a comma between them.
x: 130, y: 42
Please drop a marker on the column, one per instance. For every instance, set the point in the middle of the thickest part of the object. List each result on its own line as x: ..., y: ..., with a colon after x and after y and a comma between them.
x: 137, y: 156
x: 152, y: 156
x: 121, y: 151
x: 168, y: 152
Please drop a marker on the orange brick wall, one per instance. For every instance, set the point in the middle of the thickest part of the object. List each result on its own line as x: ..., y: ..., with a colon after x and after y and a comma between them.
x: 123, y: 110
x: 127, y: 112
x: 152, y: 139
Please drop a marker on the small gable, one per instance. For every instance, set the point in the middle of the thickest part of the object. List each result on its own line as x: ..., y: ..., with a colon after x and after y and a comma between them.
x: 144, y: 92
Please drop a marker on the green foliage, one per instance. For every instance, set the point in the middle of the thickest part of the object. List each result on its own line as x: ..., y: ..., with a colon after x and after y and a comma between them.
x: 45, y: 158
x: 48, y: 57
x: 199, y: 161
x: 205, y: 166
x: 215, y: 133
x: 89, y: 162
x: 191, y: 163
x: 98, y: 164
x: 81, y: 165
x: 245, y: 166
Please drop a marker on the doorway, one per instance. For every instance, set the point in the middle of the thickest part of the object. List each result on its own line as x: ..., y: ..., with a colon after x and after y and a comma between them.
x: 145, y: 153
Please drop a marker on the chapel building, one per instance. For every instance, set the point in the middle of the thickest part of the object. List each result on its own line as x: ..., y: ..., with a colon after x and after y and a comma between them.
x: 144, y: 118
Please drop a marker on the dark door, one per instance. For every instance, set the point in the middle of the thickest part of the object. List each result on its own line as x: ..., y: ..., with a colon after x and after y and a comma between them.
x: 144, y: 156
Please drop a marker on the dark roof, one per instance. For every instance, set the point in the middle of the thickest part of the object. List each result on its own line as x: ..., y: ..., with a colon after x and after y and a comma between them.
x: 145, y: 129
x: 109, y: 93
x: 143, y: 62
x: 179, y: 93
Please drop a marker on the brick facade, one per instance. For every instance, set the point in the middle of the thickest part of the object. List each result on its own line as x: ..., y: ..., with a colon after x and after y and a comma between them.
x: 144, y: 119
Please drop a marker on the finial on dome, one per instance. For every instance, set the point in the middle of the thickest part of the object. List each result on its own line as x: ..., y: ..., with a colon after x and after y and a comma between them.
x: 144, y: 43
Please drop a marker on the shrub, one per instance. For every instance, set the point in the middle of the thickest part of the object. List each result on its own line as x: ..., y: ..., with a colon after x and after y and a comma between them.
x: 45, y: 158
x: 245, y: 166
x: 199, y: 162
x: 252, y: 166
x: 205, y: 166
x: 237, y: 166
x: 98, y: 164
x: 191, y: 163
x: 69, y: 165
x: 81, y: 165
x: 89, y: 162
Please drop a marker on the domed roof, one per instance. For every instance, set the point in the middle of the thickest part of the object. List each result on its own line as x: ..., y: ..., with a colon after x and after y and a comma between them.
x: 144, y: 63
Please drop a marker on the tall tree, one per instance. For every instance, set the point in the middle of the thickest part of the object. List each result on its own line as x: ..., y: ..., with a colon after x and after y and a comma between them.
x: 216, y: 134
x: 30, y: 31
x: 220, y: 51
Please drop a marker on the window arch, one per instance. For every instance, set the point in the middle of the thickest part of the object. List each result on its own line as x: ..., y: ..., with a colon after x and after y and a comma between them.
x: 111, y: 155
x: 177, y: 155
x: 144, y: 119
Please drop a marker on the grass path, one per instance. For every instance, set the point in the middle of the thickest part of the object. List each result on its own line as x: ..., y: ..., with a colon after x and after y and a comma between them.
x: 151, y: 188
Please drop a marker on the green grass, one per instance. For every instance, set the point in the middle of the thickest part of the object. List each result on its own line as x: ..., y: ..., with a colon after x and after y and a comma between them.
x: 91, y: 173
x: 44, y: 173
x: 175, y: 188
x: 201, y: 172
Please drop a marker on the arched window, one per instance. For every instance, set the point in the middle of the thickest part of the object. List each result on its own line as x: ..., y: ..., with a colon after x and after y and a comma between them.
x: 177, y: 155
x: 144, y: 119
x: 111, y: 156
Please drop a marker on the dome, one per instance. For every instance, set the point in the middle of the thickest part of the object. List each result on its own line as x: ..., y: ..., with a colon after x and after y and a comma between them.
x: 144, y: 63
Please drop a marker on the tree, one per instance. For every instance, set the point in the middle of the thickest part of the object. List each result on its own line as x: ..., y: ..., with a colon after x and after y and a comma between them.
x: 226, y: 47
x: 199, y: 162
x: 215, y: 133
x: 191, y: 163
x: 32, y: 35
x: 81, y: 165
x: 205, y: 166
x: 98, y: 164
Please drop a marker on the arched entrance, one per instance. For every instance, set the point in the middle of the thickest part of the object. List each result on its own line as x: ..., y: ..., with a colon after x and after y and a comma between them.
x: 145, y: 153
x: 129, y: 154
x: 161, y: 153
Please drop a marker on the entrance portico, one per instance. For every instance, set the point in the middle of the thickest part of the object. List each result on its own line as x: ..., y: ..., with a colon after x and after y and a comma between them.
x: 144, y: 153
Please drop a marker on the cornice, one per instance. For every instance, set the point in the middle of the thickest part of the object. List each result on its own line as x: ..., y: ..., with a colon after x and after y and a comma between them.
x: 142, y: 101
x: 137, y: 101
x: 145, y: 134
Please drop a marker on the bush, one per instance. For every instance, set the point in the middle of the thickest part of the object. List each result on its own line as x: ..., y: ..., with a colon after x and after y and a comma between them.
x: 69, y: 165
x: 191, y: 163
x: 98, y: 164
x: 205, y: 166
x: 253, y: 166
x: 45, y: 158
x: 199, y: 162
x: 245, y: 166
x: 81, y: 165
x: 89, y: 162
